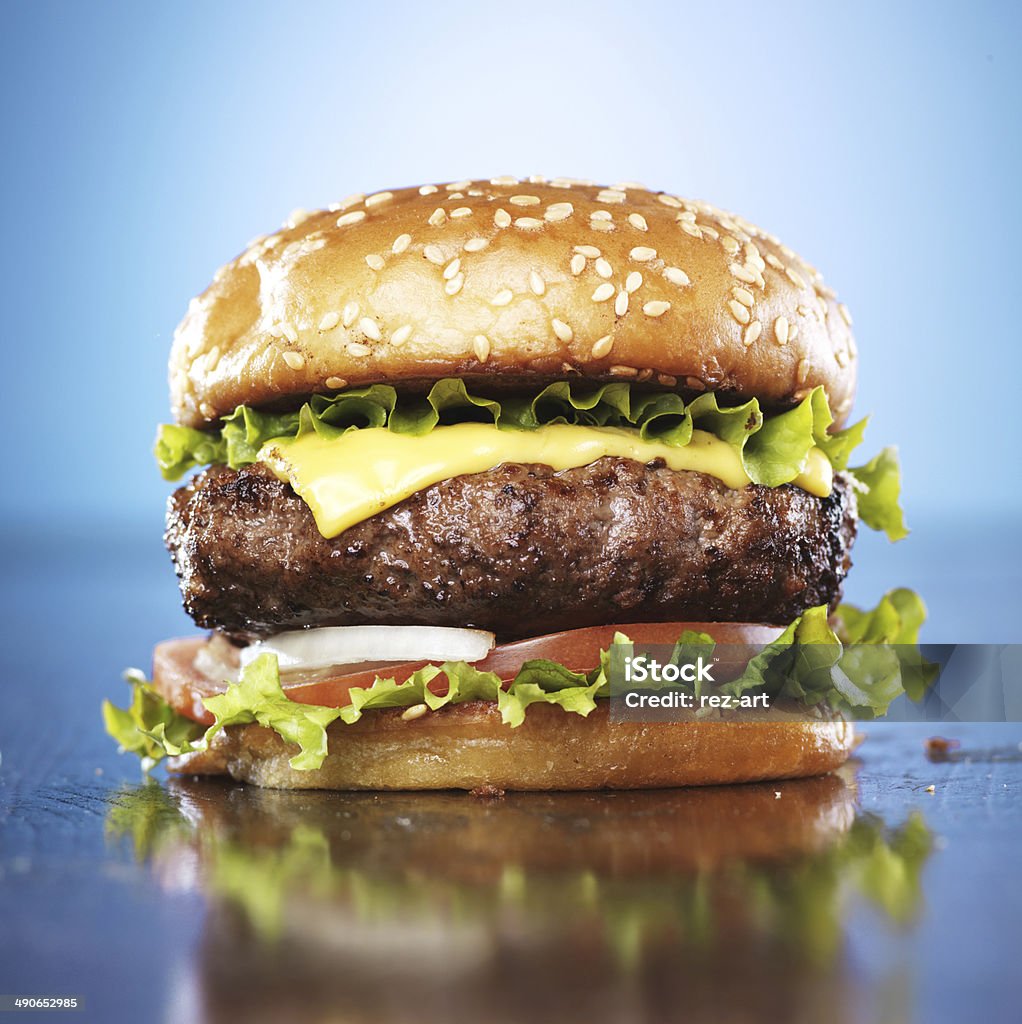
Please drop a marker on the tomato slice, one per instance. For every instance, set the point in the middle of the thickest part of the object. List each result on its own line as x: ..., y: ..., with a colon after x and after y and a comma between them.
x: 183, y: 685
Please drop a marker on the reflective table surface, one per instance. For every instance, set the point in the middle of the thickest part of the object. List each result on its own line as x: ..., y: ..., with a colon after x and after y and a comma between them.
x: 864, y: 896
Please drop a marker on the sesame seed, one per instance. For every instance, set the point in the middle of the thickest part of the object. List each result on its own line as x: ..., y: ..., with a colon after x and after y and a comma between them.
x: 602, y: 347
x: 676, y: 276
x: 401, y: 335
x: 740, y: 313
x: 296, y: 217
x: 730, y: 245
x: 623, y: 371
x: 610, y: 195
x: 775, y: 262
x: 336, y: 383
x: 803, y: 370
x: 348, y: 201
x: 528, y: 223
x: 795, y: 277
x: 524, y: 200
x: 589, y: 251
x: 378, y: 197
x: 427, y: 190
x: 502, y: 219
x: 691, y: 229
x: 369, y: 328
x: 295, y: 360
x: 643, y: 254
x: 742, y: 273
x: 457, y: 186
x: 536, y: 283
x: 375, y: 262
x: 845, y: 315
x: 601, y: 215
x: 355, y: 349
x: 656, y: 308
x: 743, y: 295
x: 452, y: 268
x: 603, y: 267
x: 669, y: 200
x: 434, y: 254
x: 633, y: 282
x: 401, y: 243
x: 453, y: 286
x: 476, y: 192
x: 461, y: 211
x: 562, y: 330
x: 289, y: 332
x: 638, y: 221
x: 502, y: 298
x: 349, y: 313
x: 505, y: 179
x: 437, y: 217
x: 578, y: 263
x: 351, y: 218
x: 276, y: 331
x: 601, y: 225
x: 603, y: 292
x: 781, y: 330
x: 621, y: 303
x: 481, y: 347
x: 752, y: 332
x: 710, y: 232
x: 476, y: 244
x: 410, y: 714
x: 559, y: 211
x: 330, y: 321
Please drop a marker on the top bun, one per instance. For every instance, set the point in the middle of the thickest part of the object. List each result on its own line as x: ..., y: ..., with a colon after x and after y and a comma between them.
x: 512, y: 282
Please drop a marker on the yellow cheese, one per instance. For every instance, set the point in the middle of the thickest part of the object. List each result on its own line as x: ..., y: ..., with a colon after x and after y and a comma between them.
x: 347, y: 479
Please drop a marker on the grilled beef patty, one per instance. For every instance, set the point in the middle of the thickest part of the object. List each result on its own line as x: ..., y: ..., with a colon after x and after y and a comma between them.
x: 520, y: 550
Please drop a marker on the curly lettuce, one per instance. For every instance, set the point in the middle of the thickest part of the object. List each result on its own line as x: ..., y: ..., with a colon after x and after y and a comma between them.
x: 808, y: 663
x: 773, y: 448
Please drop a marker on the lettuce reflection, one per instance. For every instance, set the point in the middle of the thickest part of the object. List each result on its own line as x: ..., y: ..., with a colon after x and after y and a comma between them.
x: 723, y: 903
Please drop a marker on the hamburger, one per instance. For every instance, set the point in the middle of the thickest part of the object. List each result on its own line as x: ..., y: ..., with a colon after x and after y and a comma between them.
x: 454, y: 443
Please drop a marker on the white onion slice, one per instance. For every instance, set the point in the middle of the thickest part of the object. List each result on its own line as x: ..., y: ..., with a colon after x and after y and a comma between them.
x: 353, y: 645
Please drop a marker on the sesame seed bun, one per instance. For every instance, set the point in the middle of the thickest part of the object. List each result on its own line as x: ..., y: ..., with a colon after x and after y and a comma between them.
x: 512, y: 282
x: 467, y: 746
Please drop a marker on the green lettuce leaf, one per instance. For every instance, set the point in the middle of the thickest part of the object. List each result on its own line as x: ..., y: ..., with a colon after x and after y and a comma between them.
x: 257, y: 697
x: 879, y: 494
x: 773, y: 448
x: 149, y: 726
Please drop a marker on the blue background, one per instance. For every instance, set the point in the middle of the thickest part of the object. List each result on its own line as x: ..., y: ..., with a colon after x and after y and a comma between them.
x: 145, y: 144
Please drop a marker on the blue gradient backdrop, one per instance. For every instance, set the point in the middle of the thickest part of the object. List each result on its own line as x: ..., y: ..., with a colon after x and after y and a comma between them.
x: 144, y: 144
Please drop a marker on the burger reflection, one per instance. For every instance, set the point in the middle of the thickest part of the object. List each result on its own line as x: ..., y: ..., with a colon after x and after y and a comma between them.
x: 715, y: 904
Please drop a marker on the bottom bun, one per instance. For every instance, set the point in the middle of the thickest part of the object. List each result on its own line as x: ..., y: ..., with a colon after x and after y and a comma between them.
x: 467, y: 746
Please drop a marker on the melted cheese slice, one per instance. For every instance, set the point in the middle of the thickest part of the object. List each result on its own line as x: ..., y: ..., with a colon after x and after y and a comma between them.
x: 347, y: 479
